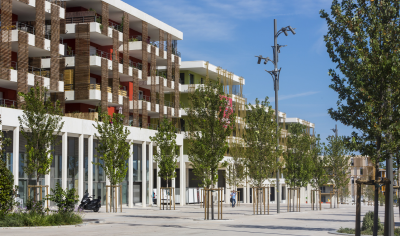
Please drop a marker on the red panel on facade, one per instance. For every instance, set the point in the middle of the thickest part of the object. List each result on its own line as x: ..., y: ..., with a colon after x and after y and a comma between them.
x: 9, y: 94
x: 111, y: 110
x: 78, y: 107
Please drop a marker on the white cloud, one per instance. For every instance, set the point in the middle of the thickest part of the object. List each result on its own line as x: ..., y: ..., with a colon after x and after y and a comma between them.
x: 285, y: 97
x: 213, y: 20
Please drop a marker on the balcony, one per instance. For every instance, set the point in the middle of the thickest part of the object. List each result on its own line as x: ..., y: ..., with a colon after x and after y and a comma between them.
x: 136, y: 47
x: 94, y: 94
x: 8, y: 103
x: 95, y: 64
x: 33, y: 50
x: 32, y: 72
x: 28, y: 9
x: 96, y: 28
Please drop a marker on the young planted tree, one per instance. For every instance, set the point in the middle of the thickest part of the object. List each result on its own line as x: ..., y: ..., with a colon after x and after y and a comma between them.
x: 338, y: 157
x: 261, y: 141
x: 6, y: 177
x: 40, y: 125
x: 299, y: 164
x: 363, y: 41
x: 167, y: 153
x: 235, y: 167
x: 210, y: 121
x: 320, y: 175
x: 113, y: 148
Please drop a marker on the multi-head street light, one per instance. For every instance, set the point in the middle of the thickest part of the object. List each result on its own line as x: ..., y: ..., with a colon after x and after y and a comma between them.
x: 275, y: 76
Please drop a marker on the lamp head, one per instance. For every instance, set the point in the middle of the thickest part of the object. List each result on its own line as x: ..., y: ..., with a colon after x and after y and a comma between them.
x: 292, y: 30
x: 284, y: 30
x: 259, y: 59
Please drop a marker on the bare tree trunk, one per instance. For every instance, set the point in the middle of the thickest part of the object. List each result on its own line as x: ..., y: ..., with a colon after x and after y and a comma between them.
x: 167, y: 193
x: 376, y: 201
x: 212, y: 199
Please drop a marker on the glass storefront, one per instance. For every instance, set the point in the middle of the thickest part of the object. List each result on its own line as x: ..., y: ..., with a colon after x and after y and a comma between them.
x: 72, y: 163
x: 137, y: 173
x: 56, y: 165
x: 8, y: 155
x: 125, y: 187
x: 24, y: 178
x: 85, y: 163
x: 99, y: 176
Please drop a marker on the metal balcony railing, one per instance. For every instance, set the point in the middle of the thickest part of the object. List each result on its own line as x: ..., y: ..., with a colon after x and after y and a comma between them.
x: 135, y: 38
x: 145, y: 98
x: 69, y: 53
x: 39, y: 71
x: 82, y: 19
x: 115, y: 26
x: 8, y: 103
x: 103, y: 54
x: 136, y: 65
x: 23, y: 26
x: 169, y: 104
x: 14, y: 65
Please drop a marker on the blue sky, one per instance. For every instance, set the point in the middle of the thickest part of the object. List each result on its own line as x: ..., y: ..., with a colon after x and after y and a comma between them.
x: 229, y: 33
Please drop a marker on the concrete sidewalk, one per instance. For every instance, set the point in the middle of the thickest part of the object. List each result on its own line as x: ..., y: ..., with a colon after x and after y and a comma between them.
x: 187, y: 220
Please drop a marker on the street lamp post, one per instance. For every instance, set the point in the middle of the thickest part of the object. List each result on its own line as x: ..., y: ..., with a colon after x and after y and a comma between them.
x: 335, y: 130
x: 275, y: 76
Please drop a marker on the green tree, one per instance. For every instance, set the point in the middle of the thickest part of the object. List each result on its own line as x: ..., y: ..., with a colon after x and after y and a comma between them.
x: 235, y: 166
x: 167, y: 153
x: 320, y: 176
x: 260, y: 139
x: 363, y: 41
x: 40, y: 125
x: 210, y: 121
x: 6, y: 177
x: 338, y: 157
x: 299, y: 164
x: 113, y: 147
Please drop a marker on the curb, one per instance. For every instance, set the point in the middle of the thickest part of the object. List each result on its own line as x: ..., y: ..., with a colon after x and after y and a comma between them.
x: 59, y: 226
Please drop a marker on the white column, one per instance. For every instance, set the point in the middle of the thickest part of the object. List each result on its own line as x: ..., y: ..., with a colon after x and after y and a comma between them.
x: 16, y: 155
x: 80, y: 166
x: 64, y: 160
x: 173, y: 183
x: 47, y: 182
x: 248, y: 192
x: 130, y: 176
x: 151, y: 173
x: 244, y: 197
x: 90, y: 165
x: 144, y: 174
x: 158, y: 188
x: 182, y: 178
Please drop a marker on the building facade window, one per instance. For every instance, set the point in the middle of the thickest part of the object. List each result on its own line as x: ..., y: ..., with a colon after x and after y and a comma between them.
x: 191, y: 79
x: 182, y: 78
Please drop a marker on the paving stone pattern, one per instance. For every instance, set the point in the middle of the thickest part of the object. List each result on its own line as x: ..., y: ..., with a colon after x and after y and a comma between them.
x: 187, y: 221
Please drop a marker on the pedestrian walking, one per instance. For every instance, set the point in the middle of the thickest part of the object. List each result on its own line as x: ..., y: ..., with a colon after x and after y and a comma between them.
x: 233, y: 198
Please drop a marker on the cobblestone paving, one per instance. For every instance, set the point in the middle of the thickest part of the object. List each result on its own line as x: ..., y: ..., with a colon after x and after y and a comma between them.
x: 187, y: 220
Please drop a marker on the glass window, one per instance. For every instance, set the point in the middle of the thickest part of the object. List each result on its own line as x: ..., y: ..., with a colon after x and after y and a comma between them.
x: 72, y: 163
x: 191, y: 79
x: 361, y: 171
x: 99, y: 177
x: 202, y: 81
x: 8, y: 155
x: 182, y: 78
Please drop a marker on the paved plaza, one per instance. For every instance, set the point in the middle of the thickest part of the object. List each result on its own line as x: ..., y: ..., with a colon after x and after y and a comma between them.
x: 187, y: 220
